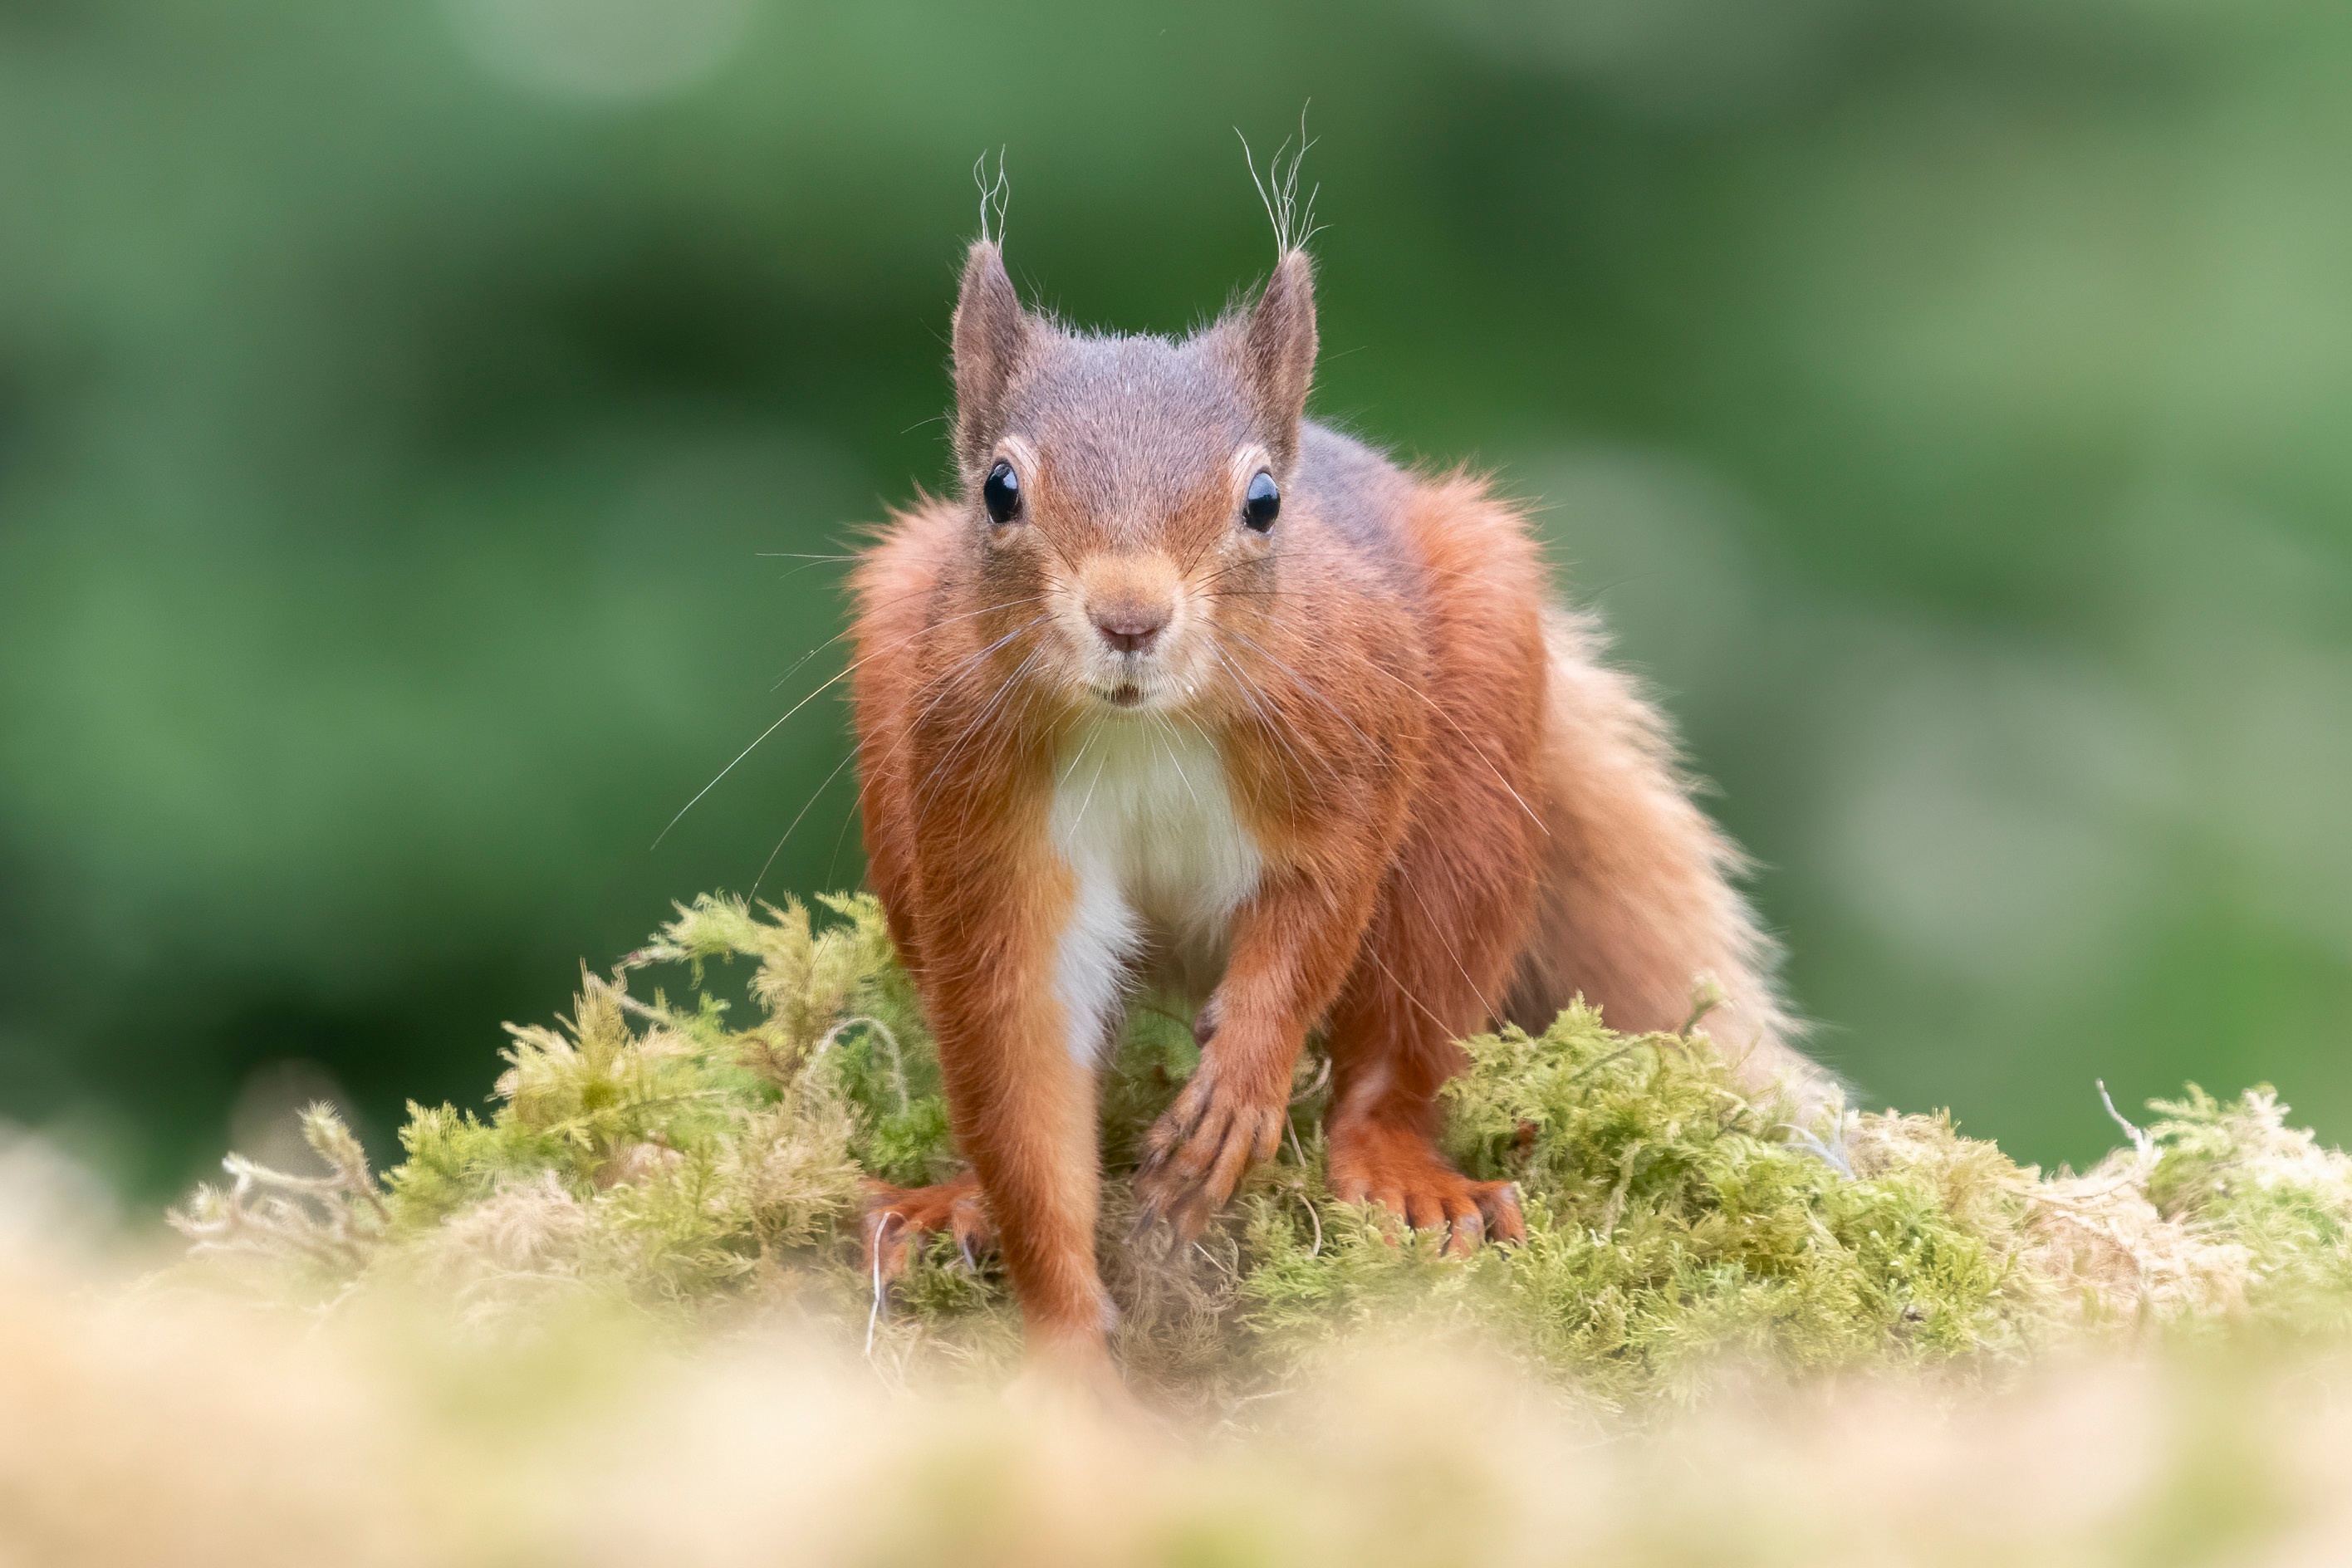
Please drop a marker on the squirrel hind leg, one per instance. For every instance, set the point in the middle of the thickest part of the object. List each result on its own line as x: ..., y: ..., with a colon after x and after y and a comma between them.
x: 1389, y: 1058
x: 898, y: 1220
x: 1400, y: 1169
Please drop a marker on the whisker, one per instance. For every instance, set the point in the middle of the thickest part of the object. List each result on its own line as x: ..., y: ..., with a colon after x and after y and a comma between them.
x: 1473, y: 574
x: 1433, y: 704
x: 1308, y: 687
x: 1007, y: 735
x: 840, y: 836
x: 1451, y: 951
x: 978, y: 724
x: 846, y: 757
x: 1083, y: 745
x: 1373, y: 954
x: 834, y: 680
x: 851, y: 629
x: 1175, y: 762
x: 1258, y: 704
x: 754, y: 746
x: 941, y: 681
x: 1468, y: 738
x: 1101, y: 762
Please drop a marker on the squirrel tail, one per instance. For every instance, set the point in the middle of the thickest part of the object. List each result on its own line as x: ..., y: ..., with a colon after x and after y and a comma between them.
x: 1639, y: 911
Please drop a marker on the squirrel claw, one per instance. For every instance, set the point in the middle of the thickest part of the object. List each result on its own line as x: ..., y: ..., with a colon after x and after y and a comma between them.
x: 898, y: 1218
x: 1197, y: 1154
x: 1399, y: 1171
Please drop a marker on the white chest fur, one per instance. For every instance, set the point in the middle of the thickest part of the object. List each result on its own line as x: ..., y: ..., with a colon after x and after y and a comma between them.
x: 1144, y: 817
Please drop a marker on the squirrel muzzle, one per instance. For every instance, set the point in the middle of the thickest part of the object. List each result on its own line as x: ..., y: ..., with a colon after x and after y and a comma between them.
x: 1131, y: 603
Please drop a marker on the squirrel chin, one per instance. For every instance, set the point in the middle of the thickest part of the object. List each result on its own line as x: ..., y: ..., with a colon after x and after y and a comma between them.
x: 1131, y: 697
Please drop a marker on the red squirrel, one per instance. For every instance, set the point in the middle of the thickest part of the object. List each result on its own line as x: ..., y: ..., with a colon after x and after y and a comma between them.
x: 1182, y: 687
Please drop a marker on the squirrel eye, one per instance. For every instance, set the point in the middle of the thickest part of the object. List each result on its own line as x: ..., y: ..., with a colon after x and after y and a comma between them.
x: 1000, y: 493
x: 1262, y: 503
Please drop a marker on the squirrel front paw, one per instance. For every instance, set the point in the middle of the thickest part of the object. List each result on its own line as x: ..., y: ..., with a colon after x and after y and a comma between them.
x: 1196, y: 1154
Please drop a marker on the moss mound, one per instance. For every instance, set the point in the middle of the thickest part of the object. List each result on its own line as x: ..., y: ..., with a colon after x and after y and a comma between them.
x: 700, y: 1162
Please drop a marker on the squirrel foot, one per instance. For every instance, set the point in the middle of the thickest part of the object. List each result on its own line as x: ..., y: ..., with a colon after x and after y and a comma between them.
x: 1402, y: 1172
x: 1196, y: 1154
x: 897, y: 1218
x: 1078, y: 1381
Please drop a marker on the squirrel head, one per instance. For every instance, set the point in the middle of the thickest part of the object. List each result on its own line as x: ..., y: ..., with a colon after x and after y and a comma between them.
x: 1129, y: 492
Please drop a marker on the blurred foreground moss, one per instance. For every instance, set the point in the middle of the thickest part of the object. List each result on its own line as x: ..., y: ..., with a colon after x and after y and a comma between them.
x: 696, y: 1162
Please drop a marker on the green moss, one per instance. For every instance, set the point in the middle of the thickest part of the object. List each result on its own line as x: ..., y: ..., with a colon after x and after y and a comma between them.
x: 695, y: 1163
x: 456, y: 1158
x: 1672, y: 1220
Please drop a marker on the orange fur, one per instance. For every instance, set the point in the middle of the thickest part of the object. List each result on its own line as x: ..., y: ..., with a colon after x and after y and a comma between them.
x: 1446, y: 810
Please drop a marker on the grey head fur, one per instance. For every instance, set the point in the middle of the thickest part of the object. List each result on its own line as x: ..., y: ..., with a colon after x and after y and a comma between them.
x: 1129, y: 419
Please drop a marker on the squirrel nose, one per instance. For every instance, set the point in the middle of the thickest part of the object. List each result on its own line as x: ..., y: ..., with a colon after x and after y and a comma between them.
x: 1130, y: 629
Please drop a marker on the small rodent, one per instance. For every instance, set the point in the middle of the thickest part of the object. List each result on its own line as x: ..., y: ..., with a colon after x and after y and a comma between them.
x: 1183, y: 688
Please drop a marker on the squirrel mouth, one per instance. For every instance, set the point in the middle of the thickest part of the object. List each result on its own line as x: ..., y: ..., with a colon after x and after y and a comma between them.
x: 1126, y: 694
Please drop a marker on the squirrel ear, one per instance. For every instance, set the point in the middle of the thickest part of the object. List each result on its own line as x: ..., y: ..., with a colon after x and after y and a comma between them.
x: 1277, y: 347
x: 991, y: 329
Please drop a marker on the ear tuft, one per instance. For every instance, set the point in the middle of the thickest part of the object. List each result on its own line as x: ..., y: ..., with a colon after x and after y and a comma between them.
x: 991, y: 332
x: 1277, y: 347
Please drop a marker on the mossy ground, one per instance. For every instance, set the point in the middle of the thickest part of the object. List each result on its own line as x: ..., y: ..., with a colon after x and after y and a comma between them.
x: 696, y: 1161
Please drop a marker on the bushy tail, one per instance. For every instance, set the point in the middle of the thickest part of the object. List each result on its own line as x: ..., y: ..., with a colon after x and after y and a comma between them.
x: 1639, y: 911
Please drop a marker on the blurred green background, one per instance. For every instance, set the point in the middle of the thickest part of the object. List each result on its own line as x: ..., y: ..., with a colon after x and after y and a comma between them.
x: 1945, y: 399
